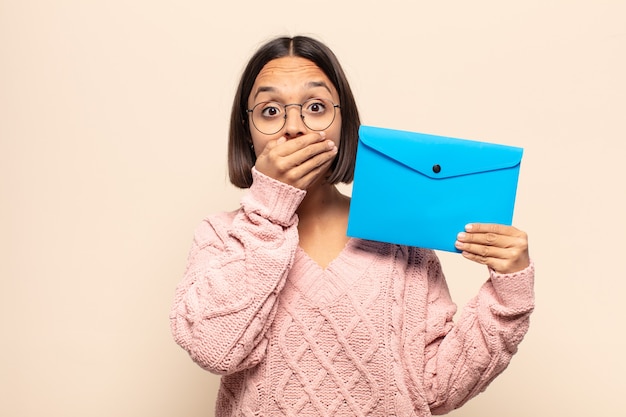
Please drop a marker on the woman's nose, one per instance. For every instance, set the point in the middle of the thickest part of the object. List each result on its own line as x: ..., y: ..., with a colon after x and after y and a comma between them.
x: 294, y: 124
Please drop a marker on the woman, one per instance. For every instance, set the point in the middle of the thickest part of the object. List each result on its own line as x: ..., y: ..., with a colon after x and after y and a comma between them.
x: 300, y: 319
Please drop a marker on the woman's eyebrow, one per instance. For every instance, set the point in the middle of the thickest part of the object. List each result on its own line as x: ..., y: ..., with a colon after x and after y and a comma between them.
x: 315, y: 84
x: 264, y: 89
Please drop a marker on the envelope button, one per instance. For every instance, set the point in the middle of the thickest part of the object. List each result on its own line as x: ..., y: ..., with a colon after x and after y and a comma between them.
x: 436, y: 168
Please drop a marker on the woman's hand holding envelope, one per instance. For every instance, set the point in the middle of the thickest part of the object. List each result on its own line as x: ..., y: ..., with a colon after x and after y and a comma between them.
x: 502, y: 248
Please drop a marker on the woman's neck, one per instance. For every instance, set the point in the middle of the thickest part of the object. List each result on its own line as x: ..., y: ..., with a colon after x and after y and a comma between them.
x: 322, y: 223
x: 321, y: 200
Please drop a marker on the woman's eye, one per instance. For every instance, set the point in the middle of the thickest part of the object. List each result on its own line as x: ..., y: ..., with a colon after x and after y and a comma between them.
x: 316, y: 107
x: 271, y: 111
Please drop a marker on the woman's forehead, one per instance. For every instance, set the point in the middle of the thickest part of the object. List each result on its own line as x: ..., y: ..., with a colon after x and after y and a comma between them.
x: 290, y: 70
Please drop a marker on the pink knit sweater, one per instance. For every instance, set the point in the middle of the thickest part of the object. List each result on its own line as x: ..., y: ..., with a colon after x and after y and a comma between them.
x: 370, y: 335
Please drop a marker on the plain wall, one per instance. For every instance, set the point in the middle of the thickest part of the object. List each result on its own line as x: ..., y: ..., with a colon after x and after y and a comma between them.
x: 113, y: 125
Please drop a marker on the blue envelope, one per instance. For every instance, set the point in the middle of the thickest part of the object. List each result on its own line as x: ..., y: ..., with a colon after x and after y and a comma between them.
x: 421, y: 190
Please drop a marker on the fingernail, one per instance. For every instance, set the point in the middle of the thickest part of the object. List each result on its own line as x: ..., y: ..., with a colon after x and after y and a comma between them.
x: 469, y: 227
x: 461, y: 236
x: 323, y: 134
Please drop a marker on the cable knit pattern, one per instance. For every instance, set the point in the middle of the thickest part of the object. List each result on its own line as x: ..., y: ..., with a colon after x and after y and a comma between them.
x: 370, y: 335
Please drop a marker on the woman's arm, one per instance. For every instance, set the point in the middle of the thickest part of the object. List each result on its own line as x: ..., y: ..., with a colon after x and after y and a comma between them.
x: 236, y: 268
x: 462, y: 358
x: 483, y: 341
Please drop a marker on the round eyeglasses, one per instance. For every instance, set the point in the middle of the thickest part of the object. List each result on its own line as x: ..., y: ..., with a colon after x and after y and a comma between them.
x: 269, y: 117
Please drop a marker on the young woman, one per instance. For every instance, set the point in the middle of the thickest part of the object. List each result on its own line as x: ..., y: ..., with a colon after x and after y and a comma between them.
x: 301, y: 320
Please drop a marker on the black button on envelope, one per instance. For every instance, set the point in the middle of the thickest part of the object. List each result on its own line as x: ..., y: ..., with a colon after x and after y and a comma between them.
x: 401, y: 194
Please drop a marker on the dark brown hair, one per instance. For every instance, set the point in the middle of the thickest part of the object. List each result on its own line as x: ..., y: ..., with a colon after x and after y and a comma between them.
x: 241, y: 157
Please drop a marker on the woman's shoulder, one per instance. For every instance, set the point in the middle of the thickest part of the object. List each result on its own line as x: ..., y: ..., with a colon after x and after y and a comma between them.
x: 219, y: 218
x: 223, y: 216
x: 214, y: 225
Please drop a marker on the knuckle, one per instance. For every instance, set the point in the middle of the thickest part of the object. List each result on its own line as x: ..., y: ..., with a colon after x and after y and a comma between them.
x: 491, y: 237
x: 522, y: 244
x: 270, y: 149
x: 309, y: 152
x: 513, y: 252
x: 272, y: 156
x: 302, y: 142
x: 320, y: 160
x: 524, y: 237
x: 292, y: 176
x: 281, y: 165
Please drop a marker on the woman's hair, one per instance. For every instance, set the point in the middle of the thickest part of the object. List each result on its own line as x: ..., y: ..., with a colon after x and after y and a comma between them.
x: 241, y: 156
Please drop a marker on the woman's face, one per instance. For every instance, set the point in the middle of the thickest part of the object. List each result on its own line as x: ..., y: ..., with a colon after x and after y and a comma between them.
x: 290, y: 80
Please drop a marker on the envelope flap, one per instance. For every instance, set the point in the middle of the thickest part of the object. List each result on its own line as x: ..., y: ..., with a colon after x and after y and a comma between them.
x: 439, y: 156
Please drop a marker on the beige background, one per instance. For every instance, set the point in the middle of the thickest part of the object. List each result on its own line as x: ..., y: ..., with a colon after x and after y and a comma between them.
x: 113, y: 121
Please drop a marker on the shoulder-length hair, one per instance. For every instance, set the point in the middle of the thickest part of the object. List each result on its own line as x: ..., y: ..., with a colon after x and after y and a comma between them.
x: 241, y: 156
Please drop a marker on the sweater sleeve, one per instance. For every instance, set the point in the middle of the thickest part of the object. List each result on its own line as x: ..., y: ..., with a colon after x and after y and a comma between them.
x: 462, y: 358
x: 237, y: 265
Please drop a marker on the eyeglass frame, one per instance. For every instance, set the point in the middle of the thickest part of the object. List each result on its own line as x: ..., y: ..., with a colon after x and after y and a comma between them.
x: 284, y: 107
